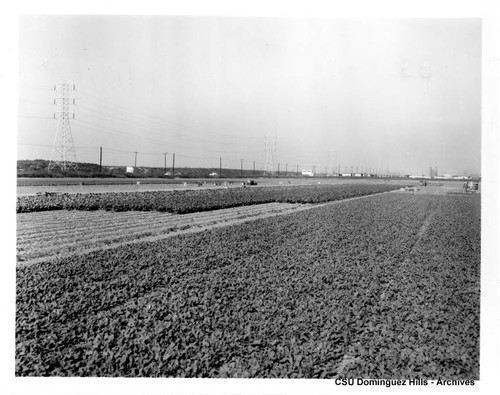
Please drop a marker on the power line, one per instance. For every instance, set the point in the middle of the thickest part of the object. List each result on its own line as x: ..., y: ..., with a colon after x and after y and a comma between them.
x: 151, y: 129
x: 107, y: 149
x: 158, y: 133
x: 134, y: 111
x: 35, y: 145
x: 122, y: 133
x: 111, y: 124
x: 34, y: 117
x: 22, y: 86
x: 112, y: 131
x: 36, y: 102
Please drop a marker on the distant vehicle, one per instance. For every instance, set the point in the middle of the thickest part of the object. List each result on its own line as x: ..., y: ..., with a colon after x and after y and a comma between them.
x: 250, y: 182
x: 471, y: 186
x: 213, y: 174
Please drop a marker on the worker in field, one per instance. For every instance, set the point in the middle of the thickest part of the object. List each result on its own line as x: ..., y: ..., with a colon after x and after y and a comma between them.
x: 464, y: 188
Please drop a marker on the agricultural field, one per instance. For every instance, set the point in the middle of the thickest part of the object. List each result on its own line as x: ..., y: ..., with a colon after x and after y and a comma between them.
x: 96, y: 221
x: 26, y: 181
x: 48, y: 234
x: 381, y: 286
x: 33, y: 186
x: 182, y: 202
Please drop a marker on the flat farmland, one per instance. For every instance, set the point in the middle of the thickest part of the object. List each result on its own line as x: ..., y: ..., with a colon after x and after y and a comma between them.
x: 61, y: 225
x: 383, y: 286
x: 47, y: 235
x: 32, y: 186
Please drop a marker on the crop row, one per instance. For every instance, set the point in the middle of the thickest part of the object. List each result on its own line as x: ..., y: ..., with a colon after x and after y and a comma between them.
x: 48, y: 234
x: 385, y: 287
x: 192, y: 201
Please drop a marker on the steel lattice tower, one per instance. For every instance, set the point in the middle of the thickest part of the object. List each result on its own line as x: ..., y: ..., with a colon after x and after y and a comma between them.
x: 63, y: 151
x: 270, y: 150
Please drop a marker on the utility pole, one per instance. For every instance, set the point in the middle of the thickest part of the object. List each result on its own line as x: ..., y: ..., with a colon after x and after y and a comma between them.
x: 220, y: 167
x: 241, y: 169
x: 63, y: 151
x: 135, y: 160
x: 254, y: 168
x: 100, y: 159
x: 278, y: 170
x: 297, y: 173
x: 173, y: 165
x: 286, y: 169
x: 165, y: 154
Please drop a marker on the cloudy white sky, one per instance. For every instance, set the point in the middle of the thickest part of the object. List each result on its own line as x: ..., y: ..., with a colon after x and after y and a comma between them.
x: 402, y: 94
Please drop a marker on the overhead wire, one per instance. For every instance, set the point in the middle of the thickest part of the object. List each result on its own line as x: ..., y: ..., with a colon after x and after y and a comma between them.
x: 106, y: 148
x: 148, y: 129
x: 35, y: 116
x: 39, y: 87
x: 121, y: 132
x: 155, y: 128
x: 137, y: 111
x: 159, y: 131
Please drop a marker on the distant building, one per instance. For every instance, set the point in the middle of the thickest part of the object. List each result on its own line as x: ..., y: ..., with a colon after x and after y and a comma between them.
x: 130, y: 169
x: 308, y: 173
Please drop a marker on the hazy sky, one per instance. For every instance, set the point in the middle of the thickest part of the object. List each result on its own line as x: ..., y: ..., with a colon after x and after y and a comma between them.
x: 398, y: 94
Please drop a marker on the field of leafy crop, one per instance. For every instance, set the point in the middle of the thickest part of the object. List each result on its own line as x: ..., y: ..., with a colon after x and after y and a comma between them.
x: 41, y: 182
x: 385, y: 287
x: 46, y: 235
x: 193, y: 201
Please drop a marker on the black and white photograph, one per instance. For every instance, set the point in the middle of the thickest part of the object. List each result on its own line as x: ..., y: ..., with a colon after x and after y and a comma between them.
x: 248, y: 197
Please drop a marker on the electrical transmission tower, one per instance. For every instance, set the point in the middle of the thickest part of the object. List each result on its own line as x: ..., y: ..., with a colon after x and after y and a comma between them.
x: 63, y: 151
x: 270, y: 150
